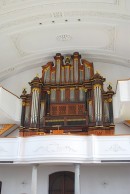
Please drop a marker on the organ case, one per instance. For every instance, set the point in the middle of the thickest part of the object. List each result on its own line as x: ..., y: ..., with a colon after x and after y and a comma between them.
x: 68, y: 98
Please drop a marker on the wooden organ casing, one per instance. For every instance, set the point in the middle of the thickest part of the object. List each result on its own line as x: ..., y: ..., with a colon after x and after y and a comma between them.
x: 68, y: 98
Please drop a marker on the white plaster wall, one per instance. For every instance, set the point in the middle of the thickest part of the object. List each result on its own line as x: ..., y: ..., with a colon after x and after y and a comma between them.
x: 16, y: 83
x: 122, y: 101
x: 13, y: 177
x: 121, y: 128
x: 111, y: 72
x: 10, y: 107
x: 14, y: 133
x: 117, y: 178
x: 95, y: 179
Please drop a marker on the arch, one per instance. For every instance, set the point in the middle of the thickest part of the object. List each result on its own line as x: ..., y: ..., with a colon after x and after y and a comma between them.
x: 61, y: 183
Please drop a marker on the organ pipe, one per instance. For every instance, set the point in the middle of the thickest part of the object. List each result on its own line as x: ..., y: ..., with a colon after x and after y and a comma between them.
x: 48, y: 102
x: 42, y: 112
x: 110, y: 94
x: 23, y: 114
x: 76, y: 70
x: 90, y: 107
x: 34, y: 109
x: 110, y: 111
x: 27, y: 112
x: 58, y: 71
x: 98, y: 103
x: 106, y: 111
x: 86, y: 99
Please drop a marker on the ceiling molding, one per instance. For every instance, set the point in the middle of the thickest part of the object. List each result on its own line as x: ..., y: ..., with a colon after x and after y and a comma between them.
x: 109, y: 31
x: 52, y: 18
x: 63, y: 37
x: 6, y: 4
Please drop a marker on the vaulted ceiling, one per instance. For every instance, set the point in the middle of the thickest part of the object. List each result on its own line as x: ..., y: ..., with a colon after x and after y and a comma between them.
x: 32, y: 31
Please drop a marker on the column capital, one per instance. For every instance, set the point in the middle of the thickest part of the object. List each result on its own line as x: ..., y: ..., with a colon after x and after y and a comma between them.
x: 77, y: 164
x: 36, y: 165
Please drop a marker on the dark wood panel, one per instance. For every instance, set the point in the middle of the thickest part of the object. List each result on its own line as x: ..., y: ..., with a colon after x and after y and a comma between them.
x: 67, y: 109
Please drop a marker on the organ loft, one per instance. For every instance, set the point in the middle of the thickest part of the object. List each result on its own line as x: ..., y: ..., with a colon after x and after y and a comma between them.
x: 68, y: 99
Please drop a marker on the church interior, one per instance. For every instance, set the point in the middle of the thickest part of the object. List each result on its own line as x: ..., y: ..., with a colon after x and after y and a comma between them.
x: 64, y: 96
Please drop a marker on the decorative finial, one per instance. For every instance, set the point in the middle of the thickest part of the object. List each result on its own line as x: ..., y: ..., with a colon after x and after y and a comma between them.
x: 24, y: 91
x: 37, y: 75
x: 67, y: 59
x: 97, y: 72
x: 109, y: 87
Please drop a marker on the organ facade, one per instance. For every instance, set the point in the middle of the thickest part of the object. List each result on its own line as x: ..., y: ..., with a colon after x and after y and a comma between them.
x: 68, y: 99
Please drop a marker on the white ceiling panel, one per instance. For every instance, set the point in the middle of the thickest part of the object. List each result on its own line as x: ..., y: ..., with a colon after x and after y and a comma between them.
x: 123, y: 41
x: 32, y: 31
x: 8, y: 56
x: 86, y: 36
x: 128, y: 5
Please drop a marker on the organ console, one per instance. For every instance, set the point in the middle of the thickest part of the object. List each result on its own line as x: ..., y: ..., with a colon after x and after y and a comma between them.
x: 68, y: 99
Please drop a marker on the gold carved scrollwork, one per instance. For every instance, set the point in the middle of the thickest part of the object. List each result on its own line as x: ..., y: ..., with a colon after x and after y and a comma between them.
x: 36, y: 89
x: 87, y: 66
x: 23, y: 104
x: 110, y: 100
x: 58, y: 60
x: 67, y: 59
x: 97, y: 86
x: 27, y: 104
x: 48, y: 92
x: 46, y: 69
x: 90, y: 102
x: 76, y: 60
x: 81, y: 88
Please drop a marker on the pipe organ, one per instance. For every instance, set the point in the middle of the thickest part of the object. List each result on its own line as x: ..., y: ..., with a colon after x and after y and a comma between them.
x: 68, y: 98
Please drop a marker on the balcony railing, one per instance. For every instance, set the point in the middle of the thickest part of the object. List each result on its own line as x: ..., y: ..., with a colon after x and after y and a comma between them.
x: 5, y: 127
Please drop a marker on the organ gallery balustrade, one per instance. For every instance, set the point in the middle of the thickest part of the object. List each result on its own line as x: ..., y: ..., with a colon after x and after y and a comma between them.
x: 68, y: 95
